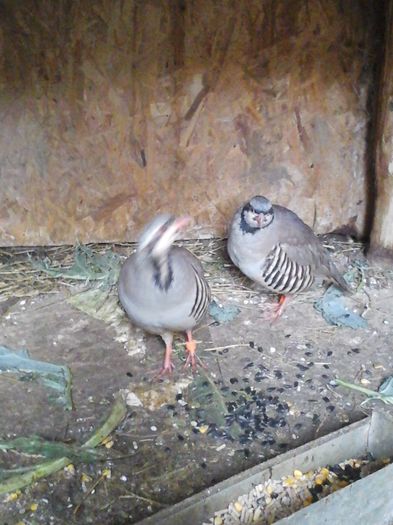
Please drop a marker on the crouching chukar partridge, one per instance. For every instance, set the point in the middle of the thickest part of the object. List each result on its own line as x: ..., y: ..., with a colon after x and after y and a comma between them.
x: 275, y: 248
x: 162, y: 287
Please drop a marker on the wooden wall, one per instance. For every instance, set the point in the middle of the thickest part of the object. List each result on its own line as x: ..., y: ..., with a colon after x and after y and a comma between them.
x: 113, y: 110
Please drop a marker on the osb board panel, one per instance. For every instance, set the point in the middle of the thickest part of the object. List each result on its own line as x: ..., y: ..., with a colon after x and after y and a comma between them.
x: 114, y: 110
x: 382, y: 233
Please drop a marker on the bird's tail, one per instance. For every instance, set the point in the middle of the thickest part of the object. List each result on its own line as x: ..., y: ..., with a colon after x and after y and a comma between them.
x: 338, y: 279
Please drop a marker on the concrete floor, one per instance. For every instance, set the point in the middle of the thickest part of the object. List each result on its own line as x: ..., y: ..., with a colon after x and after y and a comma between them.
x: 273, y: 382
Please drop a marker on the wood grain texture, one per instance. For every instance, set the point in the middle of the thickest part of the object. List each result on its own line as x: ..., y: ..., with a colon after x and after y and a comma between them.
x: 381, y: 245
x: 114, y: 110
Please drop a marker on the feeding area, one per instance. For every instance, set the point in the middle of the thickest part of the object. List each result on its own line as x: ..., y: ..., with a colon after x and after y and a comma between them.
x: 175, y: 345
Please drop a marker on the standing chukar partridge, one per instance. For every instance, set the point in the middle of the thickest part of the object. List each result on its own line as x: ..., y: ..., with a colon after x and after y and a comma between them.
x: 162, y: 287
x: 273, y: 247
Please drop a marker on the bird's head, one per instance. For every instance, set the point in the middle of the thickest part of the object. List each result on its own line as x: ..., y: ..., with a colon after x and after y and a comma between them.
x: 258, y: 212
x: 159, y: 235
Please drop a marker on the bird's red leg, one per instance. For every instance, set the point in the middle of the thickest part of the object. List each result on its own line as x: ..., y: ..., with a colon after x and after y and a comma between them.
x: 282, y: 302
x: 167, y: 366
x: 191, y: 349
x: 277, y: 309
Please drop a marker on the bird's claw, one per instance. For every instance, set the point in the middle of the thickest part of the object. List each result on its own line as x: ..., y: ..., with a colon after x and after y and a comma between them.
x: 192, y: 359
x: 167, y: 369
x: 274, y: 310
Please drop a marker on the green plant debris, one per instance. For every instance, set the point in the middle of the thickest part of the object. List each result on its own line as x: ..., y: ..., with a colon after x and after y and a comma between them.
x: 87, y: 266
x: 223, y: 314
x: 56, y: 377
x: 333, y: 310
x: 119, y: 410
x: 209, y: 403
x: 204, y: 395
x: 40, y: 471
x: 81, y: 453
x: 372, y: 395
x: 35, y: 445
x: 387, y: 387
x: 99, y: 304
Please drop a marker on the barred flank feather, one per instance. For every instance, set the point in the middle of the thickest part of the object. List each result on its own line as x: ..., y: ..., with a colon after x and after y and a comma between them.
x: 284, y: 276
x: 202, y: 297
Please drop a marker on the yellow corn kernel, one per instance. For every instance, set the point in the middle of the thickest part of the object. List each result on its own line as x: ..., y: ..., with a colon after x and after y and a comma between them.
x: 106, y: 473
x: 70, y: 469
x: 289, y: 481
x: 297, y: 474
x: 238, y: 506
x: 319, y: 479
x: 13, y: 496
x: 85, y: 478
x: 33, y: 507
x: 203, y: 429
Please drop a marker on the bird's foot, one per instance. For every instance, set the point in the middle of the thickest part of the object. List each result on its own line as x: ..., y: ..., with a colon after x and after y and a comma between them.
x: 274, y: 310
x: 167, y: 369
x: 192, y: 359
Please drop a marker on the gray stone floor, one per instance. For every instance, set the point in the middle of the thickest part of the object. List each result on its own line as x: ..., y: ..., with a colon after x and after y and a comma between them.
x: 272, y: 384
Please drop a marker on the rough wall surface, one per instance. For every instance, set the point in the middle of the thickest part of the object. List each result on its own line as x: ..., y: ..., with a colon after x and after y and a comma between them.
x: 114, y: 110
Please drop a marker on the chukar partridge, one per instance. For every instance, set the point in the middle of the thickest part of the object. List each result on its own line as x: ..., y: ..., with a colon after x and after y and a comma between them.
x: 273, y: 247
x: 162, y: 287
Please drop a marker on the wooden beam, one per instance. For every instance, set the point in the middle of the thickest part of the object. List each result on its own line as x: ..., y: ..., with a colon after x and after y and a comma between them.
x: 381, y: 242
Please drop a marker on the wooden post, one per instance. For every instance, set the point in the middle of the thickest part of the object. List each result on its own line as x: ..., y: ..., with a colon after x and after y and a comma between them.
x: 381, y: 241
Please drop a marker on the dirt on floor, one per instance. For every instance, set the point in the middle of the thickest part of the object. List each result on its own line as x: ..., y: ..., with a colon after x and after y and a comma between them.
x: 266, y: 388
